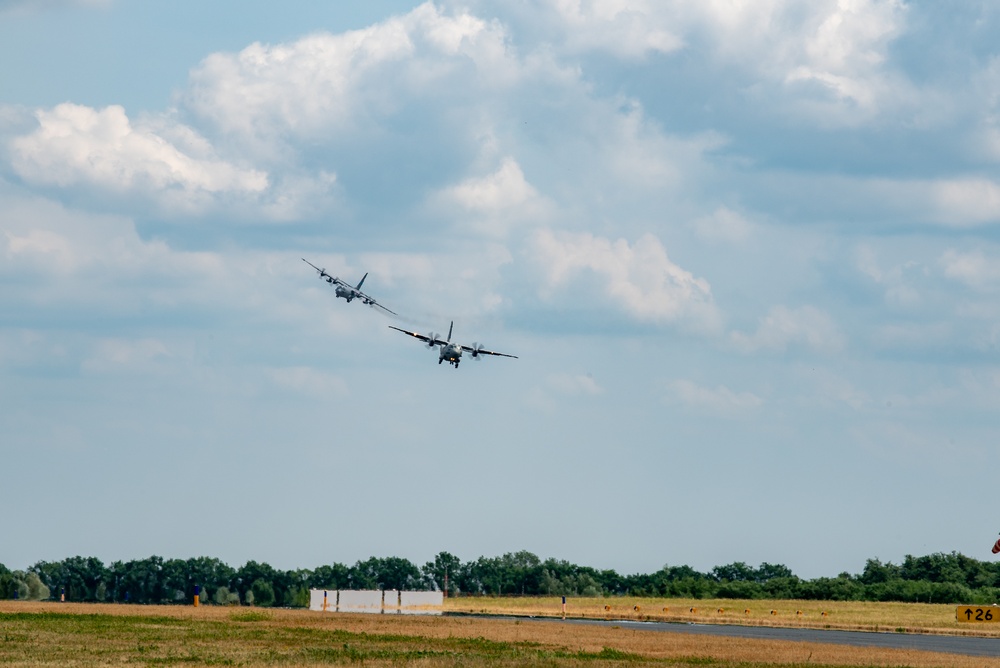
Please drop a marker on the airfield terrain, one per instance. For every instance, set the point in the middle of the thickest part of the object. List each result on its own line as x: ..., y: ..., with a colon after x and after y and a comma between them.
x: 48, y: 634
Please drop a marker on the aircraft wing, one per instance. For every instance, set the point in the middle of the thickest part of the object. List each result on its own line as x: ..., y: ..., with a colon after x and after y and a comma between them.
x: 332, y: 280
x: 483, y: 351
x: 322, y: 272
x: 371, y: 302
x: 435, y: 341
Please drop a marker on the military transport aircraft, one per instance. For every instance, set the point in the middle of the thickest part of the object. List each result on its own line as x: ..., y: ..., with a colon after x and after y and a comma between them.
x: 452, y: 352
x: 347, y: 291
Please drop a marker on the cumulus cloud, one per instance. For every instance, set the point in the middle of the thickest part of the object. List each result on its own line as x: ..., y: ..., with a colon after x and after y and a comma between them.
x: 497, y: 202
x: 42, y: 238
x: 347, y: 82
x: 844, y: 51
x: 829, y: 56
x: 784, y: 327
x: 639, y: 276
x: 720, y: 401
x: 76, y: 145
x: 623, y: 28
x: 504, y: 189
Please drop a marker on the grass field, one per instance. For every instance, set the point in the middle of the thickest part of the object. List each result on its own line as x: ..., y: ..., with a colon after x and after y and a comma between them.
x: 53, y: 634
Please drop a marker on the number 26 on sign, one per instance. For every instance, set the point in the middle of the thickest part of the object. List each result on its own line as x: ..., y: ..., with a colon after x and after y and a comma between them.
x: 970, y: 614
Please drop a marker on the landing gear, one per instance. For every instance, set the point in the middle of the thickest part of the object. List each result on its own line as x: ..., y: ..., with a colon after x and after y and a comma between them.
x: 440, y: 360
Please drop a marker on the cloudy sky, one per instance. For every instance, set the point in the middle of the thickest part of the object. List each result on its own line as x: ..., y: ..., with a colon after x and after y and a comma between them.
x: 748, y: 254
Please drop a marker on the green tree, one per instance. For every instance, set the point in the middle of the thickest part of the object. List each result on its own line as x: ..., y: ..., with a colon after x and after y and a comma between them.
x: 434, y: 572
x: 210, y: 574
x: 875, y: 572
x: 221, y: 596
x: 138, y: 581
x: 335, y: 576
x: 252, y: 571
x: 768, y: 571
x: 34, y: 588
x: 387, y: 573
x: 734, y: 572
x: 263, y: 593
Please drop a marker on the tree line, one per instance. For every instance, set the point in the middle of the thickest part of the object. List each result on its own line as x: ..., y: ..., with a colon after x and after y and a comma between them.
x: 935, y: 578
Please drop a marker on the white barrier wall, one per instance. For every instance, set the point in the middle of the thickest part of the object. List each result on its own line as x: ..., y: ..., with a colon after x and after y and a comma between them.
x: 359, y: 601
x: 421, y: 602
x: 317, y: 600
x: 390, y: 601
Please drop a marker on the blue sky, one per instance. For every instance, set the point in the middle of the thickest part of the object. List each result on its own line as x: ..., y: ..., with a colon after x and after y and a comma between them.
x: 747, y: 254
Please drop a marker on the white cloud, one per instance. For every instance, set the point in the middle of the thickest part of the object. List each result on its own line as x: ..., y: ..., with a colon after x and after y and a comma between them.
x: 784, y: 327
x: 723, y: 225
x: 839, y: 45
x: 639, y: 276
x: 720, y: 401
x: 965, y: 201
x: 504, y: 189
x: 77, y: 145
x: 625, y: 28
x: 43, y: 238
x: 973, y: 269
x: 346, y: 83
x: 847, y: 48
x: 898, y: 282
x: 494, y: 204
x: 950, y: 201
x: 838, y: 48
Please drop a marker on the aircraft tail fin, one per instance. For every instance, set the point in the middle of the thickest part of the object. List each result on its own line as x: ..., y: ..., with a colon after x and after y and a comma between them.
x: 358, y: 286
x: 449, y: 330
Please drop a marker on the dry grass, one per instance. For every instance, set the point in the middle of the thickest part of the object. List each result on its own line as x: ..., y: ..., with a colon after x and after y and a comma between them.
x: 845, y: 615
x: 49, y: 634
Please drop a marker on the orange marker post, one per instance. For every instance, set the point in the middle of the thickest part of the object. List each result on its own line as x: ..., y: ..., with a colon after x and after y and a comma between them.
x: 197, y: 595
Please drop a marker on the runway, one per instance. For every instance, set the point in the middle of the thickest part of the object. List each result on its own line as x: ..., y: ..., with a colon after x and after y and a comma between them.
x: 967, y: 645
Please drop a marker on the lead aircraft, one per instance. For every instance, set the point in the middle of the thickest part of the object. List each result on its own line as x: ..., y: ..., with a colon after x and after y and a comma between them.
x: 347, y: 291
x: 451, y: 352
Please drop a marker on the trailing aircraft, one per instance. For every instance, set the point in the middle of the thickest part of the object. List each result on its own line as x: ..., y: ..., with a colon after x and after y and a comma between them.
x: 451, y: 352
x: 347, y: 291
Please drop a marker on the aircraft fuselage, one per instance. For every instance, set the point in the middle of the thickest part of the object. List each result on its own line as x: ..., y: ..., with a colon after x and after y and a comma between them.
x: 451, y: 353
x: 346, y: 293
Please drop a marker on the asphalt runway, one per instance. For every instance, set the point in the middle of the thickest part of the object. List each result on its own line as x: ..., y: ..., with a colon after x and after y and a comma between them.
x: 966, y: 645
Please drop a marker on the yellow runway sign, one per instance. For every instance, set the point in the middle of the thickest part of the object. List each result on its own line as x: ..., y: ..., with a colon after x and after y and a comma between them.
x: 981, y: 614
